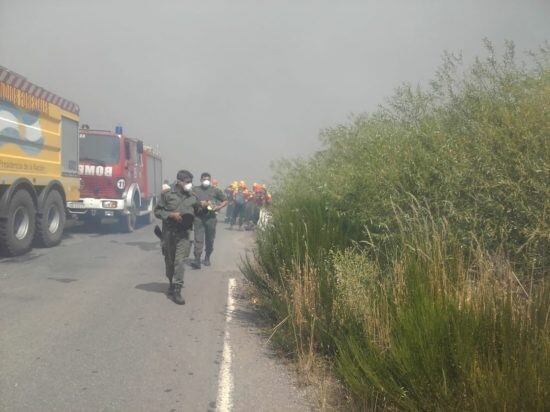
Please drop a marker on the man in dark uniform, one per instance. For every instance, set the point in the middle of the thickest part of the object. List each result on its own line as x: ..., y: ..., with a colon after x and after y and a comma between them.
x: 212, y: 199
x: 177, y: 209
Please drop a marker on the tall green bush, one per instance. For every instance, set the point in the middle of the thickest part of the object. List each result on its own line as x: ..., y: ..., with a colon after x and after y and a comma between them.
x: 474, y: 148
x: 412, y: 251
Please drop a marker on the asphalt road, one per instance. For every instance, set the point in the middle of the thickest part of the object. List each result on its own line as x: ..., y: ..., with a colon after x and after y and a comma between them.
x: 87, y: 326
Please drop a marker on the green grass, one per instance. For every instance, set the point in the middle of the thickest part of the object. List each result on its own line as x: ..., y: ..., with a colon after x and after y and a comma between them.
x: 412, y: 252
x: 438, y: 333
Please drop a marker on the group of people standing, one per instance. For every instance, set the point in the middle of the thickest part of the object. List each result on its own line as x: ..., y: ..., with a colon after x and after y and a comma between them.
x: 183, y: 207
x: 244, y: 205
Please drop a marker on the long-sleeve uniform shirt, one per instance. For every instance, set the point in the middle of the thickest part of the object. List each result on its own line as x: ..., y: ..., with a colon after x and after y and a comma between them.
x: 176, y: 201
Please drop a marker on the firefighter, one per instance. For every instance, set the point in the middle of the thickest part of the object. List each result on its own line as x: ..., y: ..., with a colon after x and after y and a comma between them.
x: 212, y: 200
x: 177, y: 209
x: 240, y: 199
x: 229, y: 196
x: 259, y: 200
x: 251, y: 207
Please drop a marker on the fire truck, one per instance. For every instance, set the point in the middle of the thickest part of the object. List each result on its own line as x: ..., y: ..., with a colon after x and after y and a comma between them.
x: 120, y: 178
x: 38, y: 163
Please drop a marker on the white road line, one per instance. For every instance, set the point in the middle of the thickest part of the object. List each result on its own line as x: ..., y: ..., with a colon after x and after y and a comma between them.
x: 224, y: 403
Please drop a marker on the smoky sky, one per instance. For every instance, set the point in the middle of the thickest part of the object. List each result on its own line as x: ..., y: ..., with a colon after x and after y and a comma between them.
x: 229, y: 86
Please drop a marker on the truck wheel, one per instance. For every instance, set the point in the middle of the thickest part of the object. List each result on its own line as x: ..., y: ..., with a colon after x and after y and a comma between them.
x: 128, y: 222
x: 51, y: 222
x: 18, y: 229
x: 148, y: 218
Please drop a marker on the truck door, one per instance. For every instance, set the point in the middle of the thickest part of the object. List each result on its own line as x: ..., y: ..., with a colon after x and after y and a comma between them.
x: 69, y: 147
x: 69, y: 157
x: 132, y: 162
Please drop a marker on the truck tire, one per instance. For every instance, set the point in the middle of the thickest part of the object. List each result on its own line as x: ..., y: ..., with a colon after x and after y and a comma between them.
x: 18, y: 229
x: 51, y: 221
x: 128, y: 222
x: 148, y: 218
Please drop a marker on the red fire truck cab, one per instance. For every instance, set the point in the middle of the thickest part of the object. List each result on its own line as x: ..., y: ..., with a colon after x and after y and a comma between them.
x: 119, y: 178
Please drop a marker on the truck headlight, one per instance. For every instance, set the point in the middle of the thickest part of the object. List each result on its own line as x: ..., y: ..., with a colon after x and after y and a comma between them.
x: 109, y: 204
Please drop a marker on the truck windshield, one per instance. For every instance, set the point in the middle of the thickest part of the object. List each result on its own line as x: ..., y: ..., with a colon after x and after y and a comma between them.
x: 100, y: 149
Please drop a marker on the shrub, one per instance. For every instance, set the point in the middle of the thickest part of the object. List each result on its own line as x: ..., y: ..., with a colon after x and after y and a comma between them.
x: 412, y: 251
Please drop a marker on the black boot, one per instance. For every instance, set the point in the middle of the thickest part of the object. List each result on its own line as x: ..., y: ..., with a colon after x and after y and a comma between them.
x: 206, y: 260
x: 176, y: 296
x: 170, y: 291
x: 196, y: 264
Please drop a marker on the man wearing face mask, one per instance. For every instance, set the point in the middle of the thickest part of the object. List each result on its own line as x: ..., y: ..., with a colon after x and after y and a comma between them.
x: 212, y: 200
x: 177, y: 209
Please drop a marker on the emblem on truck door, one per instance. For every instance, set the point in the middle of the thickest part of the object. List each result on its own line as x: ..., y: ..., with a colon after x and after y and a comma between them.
x: 21, y: 128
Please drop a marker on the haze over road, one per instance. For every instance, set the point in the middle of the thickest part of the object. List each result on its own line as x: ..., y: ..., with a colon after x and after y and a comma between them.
x: 87, y: 326
x: 256, y: 80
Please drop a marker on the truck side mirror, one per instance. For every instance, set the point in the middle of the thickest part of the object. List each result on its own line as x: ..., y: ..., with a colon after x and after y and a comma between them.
x: 140, y: 147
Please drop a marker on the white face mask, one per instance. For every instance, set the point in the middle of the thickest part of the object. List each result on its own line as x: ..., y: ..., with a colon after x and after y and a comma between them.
x: 206, y: 183
x: 187, y: 187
